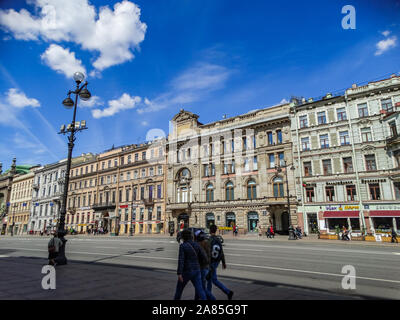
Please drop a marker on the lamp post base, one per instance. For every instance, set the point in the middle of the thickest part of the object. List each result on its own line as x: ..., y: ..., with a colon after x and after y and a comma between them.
x: 61, y: 258
x: 291, y: 233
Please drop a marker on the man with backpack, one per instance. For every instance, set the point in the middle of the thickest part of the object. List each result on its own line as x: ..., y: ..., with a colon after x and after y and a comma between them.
x: 217, y: 255
x: 191, y: 256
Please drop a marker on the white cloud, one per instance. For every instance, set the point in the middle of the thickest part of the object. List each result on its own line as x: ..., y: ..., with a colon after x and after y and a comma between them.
x: 125, y: 102
x: 144, y: 123
x: 386, y: 33
x: 62, y: 60
x: 384, y: 45
x: 113, y: 34
x: 192, y: 85
x: 93, y: 101
x: 20, y: 100
x: 283, y: 101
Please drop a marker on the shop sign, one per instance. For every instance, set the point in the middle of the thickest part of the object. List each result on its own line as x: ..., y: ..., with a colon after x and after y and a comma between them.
x: 85, y: 208
x: 372, y: 180
x: 382, y: 207
x: 225, y: 228
x: 338, y: 183
x: 340, y: 208
x: 124, y: 206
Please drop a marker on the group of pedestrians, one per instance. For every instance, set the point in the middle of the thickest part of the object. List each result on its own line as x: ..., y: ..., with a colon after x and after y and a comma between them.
x: 198, y: 262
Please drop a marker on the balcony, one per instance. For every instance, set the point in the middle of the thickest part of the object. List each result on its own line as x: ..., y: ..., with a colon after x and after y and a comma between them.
x: 392, y: 139
x: 35, y: 186
x: 149, y: 202
x: 103, y: 206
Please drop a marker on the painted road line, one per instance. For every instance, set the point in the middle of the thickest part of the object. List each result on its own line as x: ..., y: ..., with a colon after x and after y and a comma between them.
x: 310, y: 272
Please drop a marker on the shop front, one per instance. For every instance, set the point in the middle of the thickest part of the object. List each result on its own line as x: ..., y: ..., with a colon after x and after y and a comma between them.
x: 384, y: 220
x: 342, y: 218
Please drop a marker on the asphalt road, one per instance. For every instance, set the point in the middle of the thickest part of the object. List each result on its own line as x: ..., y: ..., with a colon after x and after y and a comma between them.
x: 311, y: 266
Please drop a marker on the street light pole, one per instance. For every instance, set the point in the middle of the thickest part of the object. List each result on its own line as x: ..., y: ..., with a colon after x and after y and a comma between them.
x: 68, y: 103
x: 279, y: 169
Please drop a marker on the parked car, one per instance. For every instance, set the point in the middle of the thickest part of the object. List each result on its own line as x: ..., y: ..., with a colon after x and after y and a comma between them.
x: 193, y: 230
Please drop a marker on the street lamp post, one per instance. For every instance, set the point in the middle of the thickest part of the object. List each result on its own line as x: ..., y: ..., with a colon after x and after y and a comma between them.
x: 13, y: 223
x: 72, y: 128
x: 279, y: 169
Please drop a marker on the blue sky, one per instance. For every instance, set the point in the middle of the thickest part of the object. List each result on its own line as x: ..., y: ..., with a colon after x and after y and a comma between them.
x: 145, y: 60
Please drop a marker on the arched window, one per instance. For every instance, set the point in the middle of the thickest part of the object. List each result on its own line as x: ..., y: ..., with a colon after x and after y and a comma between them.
x: 229, y: 191
x: 183, y: 188
x: 251, y: 190
x: 278, y: 187
x: 210, y: 192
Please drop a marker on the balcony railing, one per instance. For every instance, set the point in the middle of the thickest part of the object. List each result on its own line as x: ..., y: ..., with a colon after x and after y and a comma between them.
x: 104, y: 205
x: 149, y: 202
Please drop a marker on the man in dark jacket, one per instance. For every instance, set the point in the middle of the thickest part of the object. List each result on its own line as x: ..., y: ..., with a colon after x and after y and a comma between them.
x: 190, y: 253
x: 217, y: 255
x: 204, y: 265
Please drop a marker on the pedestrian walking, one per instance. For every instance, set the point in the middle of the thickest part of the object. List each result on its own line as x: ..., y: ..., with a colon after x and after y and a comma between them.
x: 190, y: 255
x: 204, y: 265
x: 54, y: 248
x: 217, y: 256
x: 394, y: 236
x: 270, y: 232
x: 345, y: 234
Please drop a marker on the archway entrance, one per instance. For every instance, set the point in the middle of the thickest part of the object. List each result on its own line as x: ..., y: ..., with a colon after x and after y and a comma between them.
x: 210, y: 220
x: 230, y: 219
x: 104, y: 222
x: 252, y: 221
x: 285, y: 222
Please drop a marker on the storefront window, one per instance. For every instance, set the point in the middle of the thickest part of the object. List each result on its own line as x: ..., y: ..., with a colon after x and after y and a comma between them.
x: 355, y: 224
x: 230, y: 219
x: 383, y: 224
x: 337, y: 222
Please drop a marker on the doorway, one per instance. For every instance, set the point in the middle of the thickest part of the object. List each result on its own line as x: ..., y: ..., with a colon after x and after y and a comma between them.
x: 183, y: 218
x: 252, y: 221
x: 312, y: 222
x: 210, y: 220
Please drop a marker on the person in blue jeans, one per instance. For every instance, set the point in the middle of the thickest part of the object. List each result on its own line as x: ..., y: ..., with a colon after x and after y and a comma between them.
x: 190, y: 256
x: 204, y: 265
x: 217, y: 255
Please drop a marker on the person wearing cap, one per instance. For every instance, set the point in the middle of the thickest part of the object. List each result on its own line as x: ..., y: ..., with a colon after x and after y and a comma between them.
x: 201, y: 239
x: 190, y: 257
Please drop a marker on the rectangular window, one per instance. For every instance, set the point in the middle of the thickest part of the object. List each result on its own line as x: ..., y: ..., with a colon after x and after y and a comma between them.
x: 233, y: 145
x: 303, y: 121
x: 129, y: 158
x: 141, y: 193
x: 324, y: 141
x: 158, y: 213
x: 281, y: 156
x: 393, y: 129
x: 370, y: 164
x: 351, y: 192
x: 366, y: 135
x: 127, y: 193
x: 374, y: 191
x: 136, y: 157
x: 305, y: 143
x: 128, y: 176
x: 244, y: 144
x: 144, y: 155
x: 341, y: 114
x: 321, y: 117
x: 143, y: 173
x: 151, y: 171
x: 254, y: 142
x: 344, y: 138
x: 159, y: 191
x: 310, y: 194
x: 212, y: 169
x: 362, y: 110
x: 205, y: 170
x: 271, y: 158
x: 330, y: 193
x: 387, y: 105
x: 255, y: 164
x: 279, y: 136
x: 270, y: 138
x: 134, y: 196
x: 307, y: 169
x: 136, y: 174
x: 141, y: 214
x: 246, y: 165
x: 348, y: 165
x: 396, y: 186
x: 327, y: 166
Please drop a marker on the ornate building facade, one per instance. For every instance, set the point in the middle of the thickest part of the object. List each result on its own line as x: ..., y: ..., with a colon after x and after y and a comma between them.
x: 122, y: 191
x: 346, y: 154
x: 232, y: 171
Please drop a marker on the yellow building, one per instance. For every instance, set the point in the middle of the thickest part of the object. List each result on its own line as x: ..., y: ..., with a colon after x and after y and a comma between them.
x: 122, y: 191
x: 20, y: 202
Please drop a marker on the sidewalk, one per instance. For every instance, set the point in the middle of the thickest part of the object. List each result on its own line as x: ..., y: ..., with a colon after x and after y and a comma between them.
x: 22, y: 278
